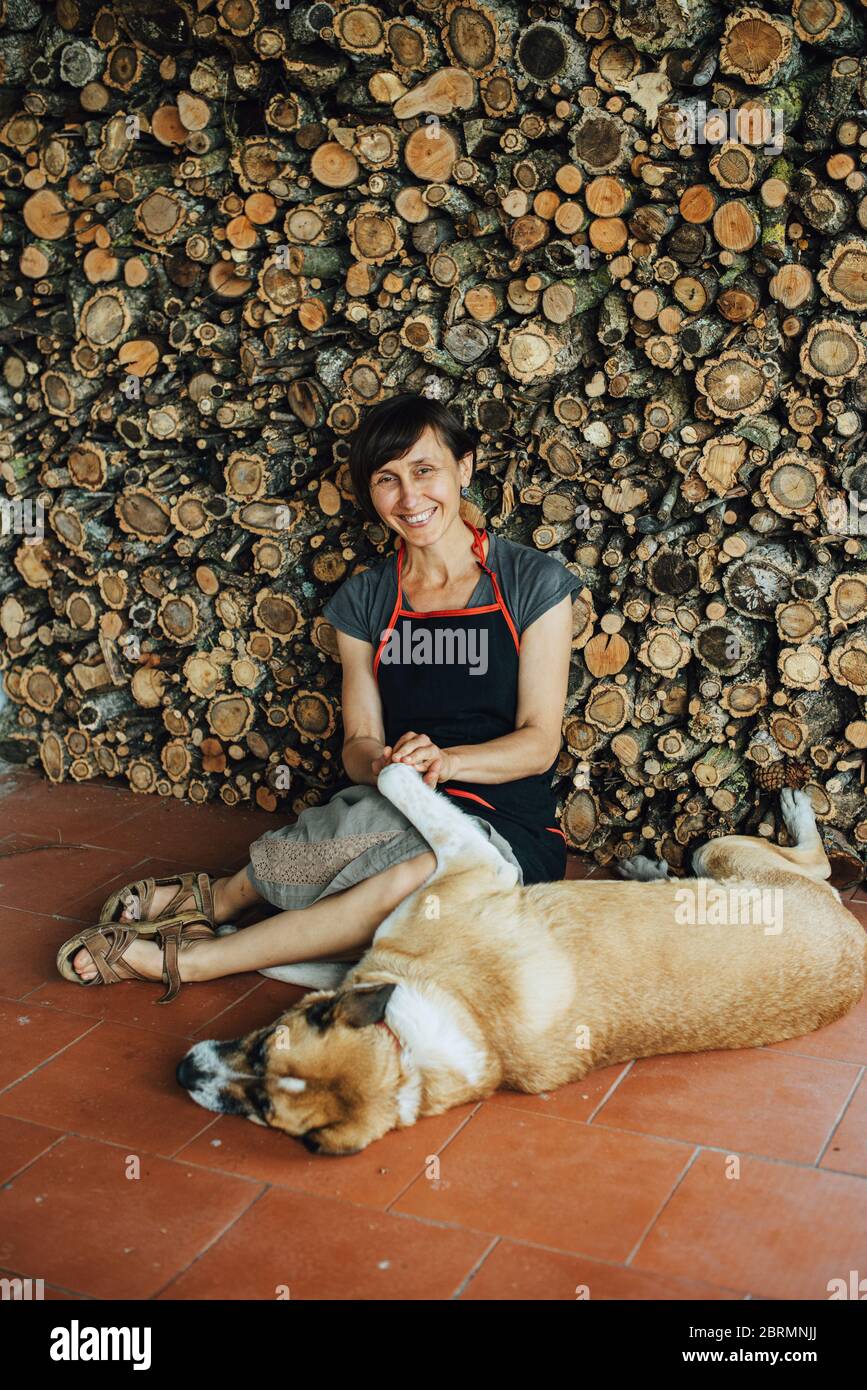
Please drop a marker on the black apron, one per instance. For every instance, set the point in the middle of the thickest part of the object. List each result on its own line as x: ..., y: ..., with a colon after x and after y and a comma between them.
x: 462, y: 688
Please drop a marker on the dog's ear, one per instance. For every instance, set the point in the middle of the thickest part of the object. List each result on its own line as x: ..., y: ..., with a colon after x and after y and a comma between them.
x: 362, y: 1007
x: 321, y: 1014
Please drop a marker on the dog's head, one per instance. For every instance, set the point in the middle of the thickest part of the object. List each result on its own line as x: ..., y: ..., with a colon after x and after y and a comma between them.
x: 325, y: 1072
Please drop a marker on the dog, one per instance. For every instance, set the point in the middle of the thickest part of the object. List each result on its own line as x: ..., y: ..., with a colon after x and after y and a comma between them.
x: 475, y: 982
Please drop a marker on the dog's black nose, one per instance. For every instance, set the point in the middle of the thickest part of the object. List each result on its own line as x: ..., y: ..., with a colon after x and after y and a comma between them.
x: 188, y: 1073
x: 311, y: 1143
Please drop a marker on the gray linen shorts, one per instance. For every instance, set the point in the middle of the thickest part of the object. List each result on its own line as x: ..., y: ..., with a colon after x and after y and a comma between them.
x: 357, y: 834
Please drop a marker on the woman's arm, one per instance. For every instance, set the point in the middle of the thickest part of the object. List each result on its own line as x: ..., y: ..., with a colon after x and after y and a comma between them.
x: 363, y: 728
x: 543, y: 681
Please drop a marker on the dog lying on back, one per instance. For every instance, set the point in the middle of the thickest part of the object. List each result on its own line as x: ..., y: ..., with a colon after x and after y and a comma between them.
x: 475, y: 983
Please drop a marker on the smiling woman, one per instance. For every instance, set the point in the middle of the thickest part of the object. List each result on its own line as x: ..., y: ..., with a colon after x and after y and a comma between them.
x: 455, y: 654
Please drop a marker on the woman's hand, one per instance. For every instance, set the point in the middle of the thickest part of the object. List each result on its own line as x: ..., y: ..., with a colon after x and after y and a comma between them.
x: 419, y: 752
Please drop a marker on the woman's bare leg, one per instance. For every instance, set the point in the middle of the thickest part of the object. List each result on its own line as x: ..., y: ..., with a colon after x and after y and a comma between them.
x: 344, y: 921
x: 232, y: 896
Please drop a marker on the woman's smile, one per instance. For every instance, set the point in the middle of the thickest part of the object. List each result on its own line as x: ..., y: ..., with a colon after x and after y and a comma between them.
x: 417, y: 519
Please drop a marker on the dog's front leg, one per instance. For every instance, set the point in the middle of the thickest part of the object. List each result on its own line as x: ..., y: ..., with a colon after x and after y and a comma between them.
x: 452, y: 836
x: 640, y: 869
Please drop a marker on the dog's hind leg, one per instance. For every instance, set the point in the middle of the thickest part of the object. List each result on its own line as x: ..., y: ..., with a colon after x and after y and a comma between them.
x: 748, y: 857
x: 640, y: 869
x: 799, y: 819
x: 807, y: 852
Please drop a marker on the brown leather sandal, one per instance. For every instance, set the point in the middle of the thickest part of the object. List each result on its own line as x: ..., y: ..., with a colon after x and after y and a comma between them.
x: 107, y: 943
x: 199, y: 887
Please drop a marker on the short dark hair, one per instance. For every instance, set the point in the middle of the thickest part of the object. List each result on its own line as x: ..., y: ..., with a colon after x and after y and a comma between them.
x: 390, y: 428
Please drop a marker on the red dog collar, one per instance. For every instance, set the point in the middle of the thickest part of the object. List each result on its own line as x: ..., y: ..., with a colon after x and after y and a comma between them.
x: 382, y: 1024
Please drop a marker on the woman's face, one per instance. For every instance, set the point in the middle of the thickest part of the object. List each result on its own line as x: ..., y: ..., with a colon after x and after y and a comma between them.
x: 419, y: 495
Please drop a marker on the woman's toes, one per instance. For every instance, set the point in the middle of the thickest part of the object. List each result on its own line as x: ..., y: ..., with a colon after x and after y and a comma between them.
x: 82, y: 964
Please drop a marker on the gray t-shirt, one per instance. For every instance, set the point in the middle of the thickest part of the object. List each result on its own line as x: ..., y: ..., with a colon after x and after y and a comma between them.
x: 530, y: 581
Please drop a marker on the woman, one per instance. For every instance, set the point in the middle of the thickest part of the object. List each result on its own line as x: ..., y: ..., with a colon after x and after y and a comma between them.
x: 455, y: 654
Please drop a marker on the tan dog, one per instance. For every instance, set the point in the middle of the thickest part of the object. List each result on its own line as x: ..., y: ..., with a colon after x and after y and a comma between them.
x: 475, y: 983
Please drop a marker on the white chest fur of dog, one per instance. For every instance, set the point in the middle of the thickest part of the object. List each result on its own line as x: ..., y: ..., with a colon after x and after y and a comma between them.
x: 482, y: 983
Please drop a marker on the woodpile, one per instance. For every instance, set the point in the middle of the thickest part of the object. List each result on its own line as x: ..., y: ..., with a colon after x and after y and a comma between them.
x: 625, y: 241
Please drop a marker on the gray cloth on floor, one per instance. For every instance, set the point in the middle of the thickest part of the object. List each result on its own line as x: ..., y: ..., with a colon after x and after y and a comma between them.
x: 357, y: 834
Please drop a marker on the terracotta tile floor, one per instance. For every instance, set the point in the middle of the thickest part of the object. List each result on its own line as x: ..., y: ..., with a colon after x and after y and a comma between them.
x: 115, y: 1185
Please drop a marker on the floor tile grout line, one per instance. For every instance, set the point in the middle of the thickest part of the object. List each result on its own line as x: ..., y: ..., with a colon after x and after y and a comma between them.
x: 13, y: 1177
x: 775, y: 1051
x: 355, y: 1203
x: 210, y: 1022
x: 60, y: 843
x: 26, y: 997
x: 248, y: 1177
x: 673, y: 1139
x: 840, y: 1172
x: 415, y: 1177
x: 128, y: 1144
x: 616, y: 1264
x: 559, y: 1250
x: 122, y: 1022
x: 610, y: 1092
x: 56, y: 1009
x: 4, y: 1090
x: 50, y: 916
x: 178, y: 1274
x: 209, y: 1124
x: 840, y: 1117
x: 470, y: 1276
x: 804, y: 1166
x: 649, y: 1227
x: 94, y: 887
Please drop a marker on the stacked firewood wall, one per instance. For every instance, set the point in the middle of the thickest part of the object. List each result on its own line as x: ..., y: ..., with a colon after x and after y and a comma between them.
x: 625, y: 241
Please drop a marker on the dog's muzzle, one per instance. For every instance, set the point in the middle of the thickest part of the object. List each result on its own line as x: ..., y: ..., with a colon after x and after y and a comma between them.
x: 205, y: 1076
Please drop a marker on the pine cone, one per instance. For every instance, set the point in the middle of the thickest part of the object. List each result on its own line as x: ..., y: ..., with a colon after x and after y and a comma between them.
x: 771, y: 776
x: 797, y: 773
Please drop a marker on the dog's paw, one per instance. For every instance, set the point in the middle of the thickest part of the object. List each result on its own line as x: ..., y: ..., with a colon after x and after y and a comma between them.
x: 640, y: 869
x: 799, y: 817
x: 397, y: 773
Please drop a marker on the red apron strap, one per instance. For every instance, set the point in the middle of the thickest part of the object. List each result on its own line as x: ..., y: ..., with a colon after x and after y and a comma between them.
x: 479, y: 550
